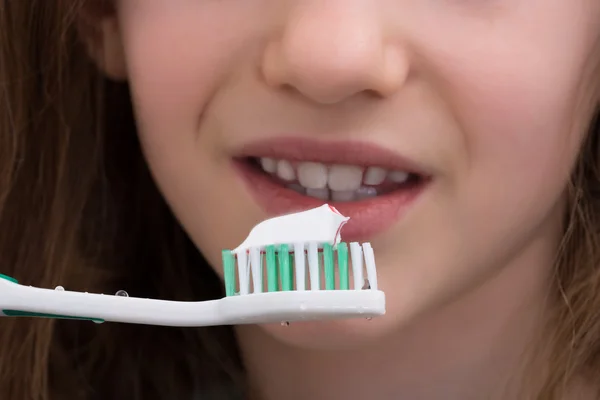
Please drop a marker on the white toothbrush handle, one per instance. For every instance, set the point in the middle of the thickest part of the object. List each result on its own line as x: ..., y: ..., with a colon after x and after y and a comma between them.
x: 31, y: 301
x: 18, y: 300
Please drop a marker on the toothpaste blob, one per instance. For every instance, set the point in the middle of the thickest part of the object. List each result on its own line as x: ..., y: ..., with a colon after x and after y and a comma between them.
x: 318, y: 225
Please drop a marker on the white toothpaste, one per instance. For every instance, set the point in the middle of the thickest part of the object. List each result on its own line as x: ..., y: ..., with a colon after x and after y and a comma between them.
x: 318, y: 225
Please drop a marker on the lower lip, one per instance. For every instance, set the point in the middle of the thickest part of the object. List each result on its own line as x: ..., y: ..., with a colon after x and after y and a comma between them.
x: 368, y: 217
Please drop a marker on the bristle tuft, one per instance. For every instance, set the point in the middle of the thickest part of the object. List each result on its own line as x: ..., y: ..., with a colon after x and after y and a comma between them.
x: 272, y: 276
x: 229, y: 272
x: 342, y: 253
x: 329, y: 266
x: 285, y: 267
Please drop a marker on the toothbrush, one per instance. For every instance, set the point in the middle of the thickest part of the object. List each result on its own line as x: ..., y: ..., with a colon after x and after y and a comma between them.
x: 277, y: 249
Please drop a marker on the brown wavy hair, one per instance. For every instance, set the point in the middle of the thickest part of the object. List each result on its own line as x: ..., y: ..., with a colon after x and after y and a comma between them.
x: 78, y: 208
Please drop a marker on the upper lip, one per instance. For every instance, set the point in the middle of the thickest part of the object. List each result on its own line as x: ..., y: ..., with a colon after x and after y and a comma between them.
x: 330, y: 152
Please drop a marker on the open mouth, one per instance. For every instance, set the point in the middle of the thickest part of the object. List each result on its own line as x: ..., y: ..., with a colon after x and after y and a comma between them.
x: 370, y: 184
x: 335, y: 182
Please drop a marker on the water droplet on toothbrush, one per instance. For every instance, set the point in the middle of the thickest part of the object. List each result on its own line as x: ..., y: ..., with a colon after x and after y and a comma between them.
x: 97, y: 321
x: 59, y: 288
x: 285, y: 323
x: 122, y: 293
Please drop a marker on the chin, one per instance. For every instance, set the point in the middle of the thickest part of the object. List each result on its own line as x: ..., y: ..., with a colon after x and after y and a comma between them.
x: 331, y: 335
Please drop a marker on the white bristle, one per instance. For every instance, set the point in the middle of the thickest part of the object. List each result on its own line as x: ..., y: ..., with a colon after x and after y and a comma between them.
x: 370, y: 263
x: 356, y: 255
x: 313, y: 265
x: 256, y: 265
x: 300, y: 266
x: 243, y: 272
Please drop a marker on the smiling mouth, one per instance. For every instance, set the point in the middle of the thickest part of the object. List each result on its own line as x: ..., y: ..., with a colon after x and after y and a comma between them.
x: 372, y: 185
x: 335, y: 182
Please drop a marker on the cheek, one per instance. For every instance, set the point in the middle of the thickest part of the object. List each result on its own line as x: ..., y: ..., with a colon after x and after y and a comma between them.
x: 177, y: 57
x: 179, y: 54
x: 522, y: 131
x: 520, y: 101
x: 520, y: 104
x: 515, y: 84
x: 522, y: 137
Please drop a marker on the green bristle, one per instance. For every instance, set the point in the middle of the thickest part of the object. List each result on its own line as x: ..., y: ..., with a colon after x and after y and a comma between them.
x: 342, y: 252
x: 329, y: 267
x: 272, y: 278
x: 285, y: 267
x: 229, y: 272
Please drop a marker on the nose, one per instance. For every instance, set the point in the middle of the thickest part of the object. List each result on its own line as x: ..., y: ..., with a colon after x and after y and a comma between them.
x: 331, y: 50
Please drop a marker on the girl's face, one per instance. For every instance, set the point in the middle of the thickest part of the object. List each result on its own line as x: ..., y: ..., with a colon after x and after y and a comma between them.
x: 486, y: 101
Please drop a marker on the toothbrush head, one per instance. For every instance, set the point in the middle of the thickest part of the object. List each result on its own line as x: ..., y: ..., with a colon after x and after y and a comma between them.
x: 301, y: 282
x: 296, y: 267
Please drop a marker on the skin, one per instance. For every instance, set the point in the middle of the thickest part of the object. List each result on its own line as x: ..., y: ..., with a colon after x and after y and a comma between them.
x: 493, y: 97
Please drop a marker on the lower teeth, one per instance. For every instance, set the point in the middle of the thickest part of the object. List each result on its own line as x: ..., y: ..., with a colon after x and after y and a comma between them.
x: 365, y: 192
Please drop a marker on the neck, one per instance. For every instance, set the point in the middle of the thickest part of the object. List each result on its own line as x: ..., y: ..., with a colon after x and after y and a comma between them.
x: 473, y: 348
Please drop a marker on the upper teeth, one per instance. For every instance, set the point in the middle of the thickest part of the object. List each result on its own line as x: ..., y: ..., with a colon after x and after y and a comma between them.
x: 338, y: 178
